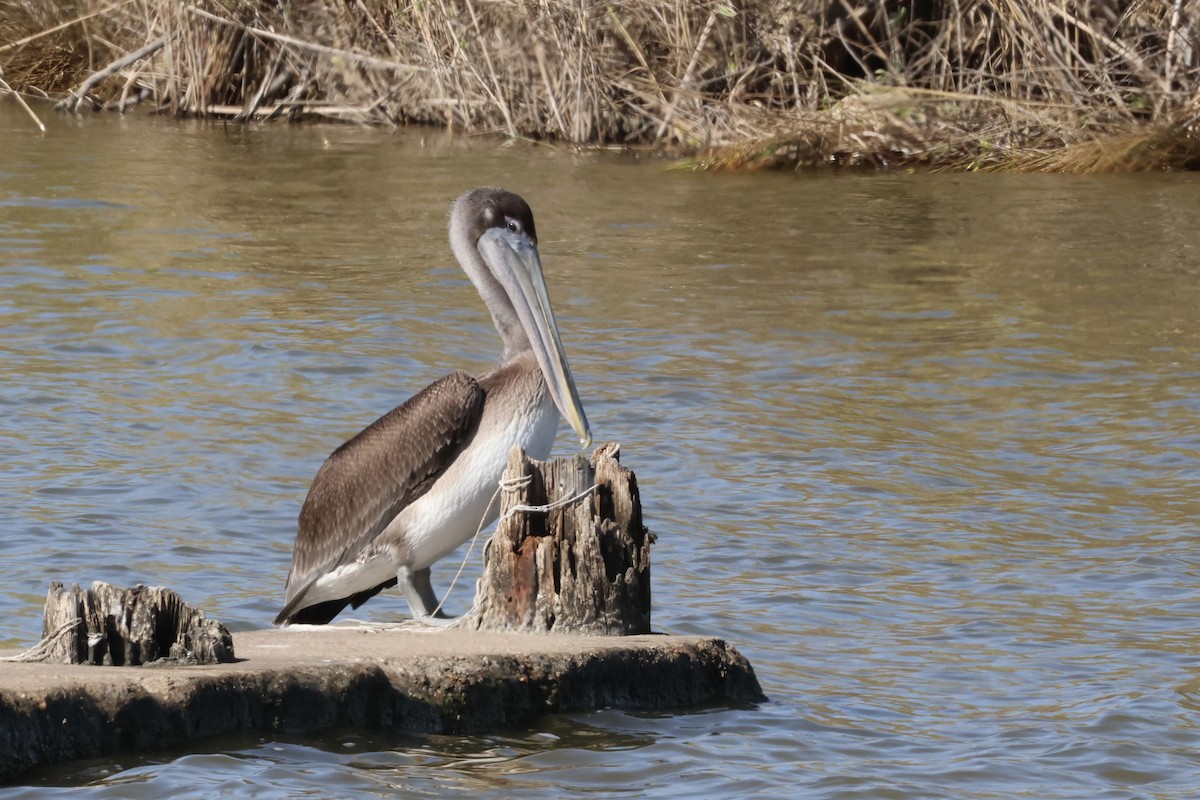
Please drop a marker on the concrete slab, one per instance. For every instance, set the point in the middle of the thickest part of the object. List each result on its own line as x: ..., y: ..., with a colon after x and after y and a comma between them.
x: 305, y: 679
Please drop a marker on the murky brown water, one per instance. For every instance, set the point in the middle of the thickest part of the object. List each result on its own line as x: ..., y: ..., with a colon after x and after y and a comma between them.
x: 925, y: 447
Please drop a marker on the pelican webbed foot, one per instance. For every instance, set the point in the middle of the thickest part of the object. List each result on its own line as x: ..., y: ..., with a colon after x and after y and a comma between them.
x: 423, y: 603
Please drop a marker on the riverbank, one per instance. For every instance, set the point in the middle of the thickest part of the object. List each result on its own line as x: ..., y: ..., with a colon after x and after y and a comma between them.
x: 756, y: 84
x: 303, y: 680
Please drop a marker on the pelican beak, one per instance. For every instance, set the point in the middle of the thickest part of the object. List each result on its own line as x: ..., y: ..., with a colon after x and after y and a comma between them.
x: 514, y: 261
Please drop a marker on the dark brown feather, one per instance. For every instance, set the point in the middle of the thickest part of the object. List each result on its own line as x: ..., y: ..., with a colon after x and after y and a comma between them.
x: 370, y: 479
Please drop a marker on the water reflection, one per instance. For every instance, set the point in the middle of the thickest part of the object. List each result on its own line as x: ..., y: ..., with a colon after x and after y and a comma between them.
x: 925, y: 447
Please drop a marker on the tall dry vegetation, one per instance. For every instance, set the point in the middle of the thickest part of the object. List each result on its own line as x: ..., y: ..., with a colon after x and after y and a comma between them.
x: 1041, y: 83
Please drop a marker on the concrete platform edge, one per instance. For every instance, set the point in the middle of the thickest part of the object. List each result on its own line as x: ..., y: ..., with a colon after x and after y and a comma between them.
x: 54, y: 713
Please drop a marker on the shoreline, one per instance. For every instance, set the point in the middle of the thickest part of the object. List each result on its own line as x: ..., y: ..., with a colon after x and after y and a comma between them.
x: 753, y: 85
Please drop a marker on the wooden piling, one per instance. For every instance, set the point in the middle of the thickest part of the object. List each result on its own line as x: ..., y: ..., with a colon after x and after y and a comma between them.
x: 581, y: 567
x: 112, y: 626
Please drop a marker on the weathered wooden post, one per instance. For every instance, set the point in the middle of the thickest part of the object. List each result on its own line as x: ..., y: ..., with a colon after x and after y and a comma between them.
x: 112, y: 626
x: 583, y: 566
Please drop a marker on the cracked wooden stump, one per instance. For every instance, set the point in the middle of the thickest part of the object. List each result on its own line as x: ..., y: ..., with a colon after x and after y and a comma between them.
x: 113, y: 626
x: 583, y: 567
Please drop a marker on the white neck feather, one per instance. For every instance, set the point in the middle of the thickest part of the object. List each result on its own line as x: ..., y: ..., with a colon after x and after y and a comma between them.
x: 504, y: 316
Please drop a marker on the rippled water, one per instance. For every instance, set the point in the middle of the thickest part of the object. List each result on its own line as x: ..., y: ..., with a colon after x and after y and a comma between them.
x: 925, y: 448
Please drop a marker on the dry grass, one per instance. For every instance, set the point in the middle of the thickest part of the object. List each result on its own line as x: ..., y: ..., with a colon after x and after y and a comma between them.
x: 965, y: 84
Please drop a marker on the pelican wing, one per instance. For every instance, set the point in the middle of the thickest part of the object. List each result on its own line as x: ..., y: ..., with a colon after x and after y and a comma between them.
x: 370, y: 479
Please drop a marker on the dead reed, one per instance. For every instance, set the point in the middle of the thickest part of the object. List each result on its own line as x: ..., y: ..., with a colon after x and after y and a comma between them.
x: 1019, y: 84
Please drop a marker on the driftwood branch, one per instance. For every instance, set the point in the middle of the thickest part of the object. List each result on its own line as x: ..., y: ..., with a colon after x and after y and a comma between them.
x: 581, y: 567
x: 72, y: 102
x: 111, y: 626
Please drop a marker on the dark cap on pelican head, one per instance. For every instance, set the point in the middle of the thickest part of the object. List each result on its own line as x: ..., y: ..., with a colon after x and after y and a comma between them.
x: 497, y: 207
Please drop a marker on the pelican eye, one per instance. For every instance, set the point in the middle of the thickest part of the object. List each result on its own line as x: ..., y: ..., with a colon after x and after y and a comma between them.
x: 514, y: 226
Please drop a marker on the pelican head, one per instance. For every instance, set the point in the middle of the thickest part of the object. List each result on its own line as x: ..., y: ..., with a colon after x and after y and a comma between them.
x: 493, y: 236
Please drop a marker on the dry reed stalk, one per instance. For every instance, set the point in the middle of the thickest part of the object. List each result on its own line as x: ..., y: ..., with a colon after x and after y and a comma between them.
x: 24, y: 106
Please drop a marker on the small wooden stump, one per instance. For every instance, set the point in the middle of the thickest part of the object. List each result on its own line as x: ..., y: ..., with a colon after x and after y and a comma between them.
x: 580, y: 568
x: 110, y: 626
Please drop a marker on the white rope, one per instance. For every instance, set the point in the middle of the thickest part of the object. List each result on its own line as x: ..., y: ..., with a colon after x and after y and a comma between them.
x: 41, y: 650
x: 509, y: 485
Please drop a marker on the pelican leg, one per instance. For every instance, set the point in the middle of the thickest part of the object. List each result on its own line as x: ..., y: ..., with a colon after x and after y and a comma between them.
x: 419, y: 592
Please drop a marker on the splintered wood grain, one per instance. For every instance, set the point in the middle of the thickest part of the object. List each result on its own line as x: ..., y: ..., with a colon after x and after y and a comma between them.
x: 583, y: 565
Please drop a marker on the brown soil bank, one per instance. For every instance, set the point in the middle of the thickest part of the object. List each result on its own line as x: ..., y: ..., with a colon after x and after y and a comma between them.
x: 297, y: 681
x: 1028, y: 84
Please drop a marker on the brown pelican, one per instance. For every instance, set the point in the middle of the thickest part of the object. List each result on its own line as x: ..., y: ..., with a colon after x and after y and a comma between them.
x: 417, y: 482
